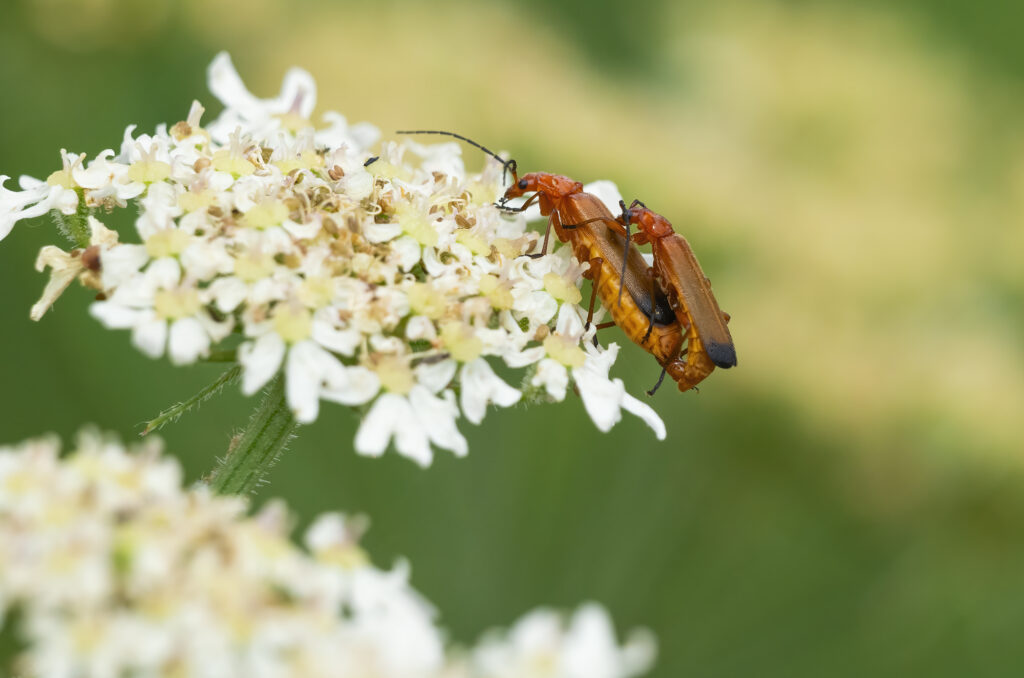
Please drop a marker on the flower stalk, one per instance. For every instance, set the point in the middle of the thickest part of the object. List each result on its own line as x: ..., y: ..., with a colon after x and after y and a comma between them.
x: 75, y: 226
x: 257, y: 449
x: 174, y: 412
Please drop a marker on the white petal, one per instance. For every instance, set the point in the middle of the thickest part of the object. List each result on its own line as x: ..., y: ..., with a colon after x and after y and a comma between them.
x: 218, y: 331
x: 436, y: 376
x: 444, y: 157
x: 364, y: 134
x: 336, y: 134
x: 570, y: 323
x: 27, y: 183
x: 344, y: 341
x: 100, y: 234
x: 590, y: 646
x: 607, y: 192
x: 101, y: 172
x: 358, y: 184
x: 646, y: 413
x: 220, y: 181
x: 392, y: 415
x: 525, y: 357
x: 378, y: 233
x: 135, y: 292
x: 228, y: 293
x: 150, y: 336
x: 164, y: 273
x: 260, y: 361
x: 359, y: 386
x: 602, y: 397
x: 639, y: 652
x: 203, y: 260
x: 120, y: 262
x: 480, y: 386
x: 437, y: 416
x: 298, y: 88
x: 302, y: 380
x: 188, y: 341
x: 538, y: 306
x: 63, y: 199
x: 306, y: 231
x: 421, y: 327
x: 18, y: 205
x: 116, y: 316
x: 553, y: 376
x: 223, y: 80
x: 64, y: 270
x: 406, y: 252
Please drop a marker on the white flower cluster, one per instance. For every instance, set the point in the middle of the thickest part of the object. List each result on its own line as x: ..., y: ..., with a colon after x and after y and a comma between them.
x: 383, y: 280
x: 115, y: 570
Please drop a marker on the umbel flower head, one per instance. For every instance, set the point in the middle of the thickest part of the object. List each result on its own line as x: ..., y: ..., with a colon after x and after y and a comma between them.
x: 385, y: 279
x: 115, y: 570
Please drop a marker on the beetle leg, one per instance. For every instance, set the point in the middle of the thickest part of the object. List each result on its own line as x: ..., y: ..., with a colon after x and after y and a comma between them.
x: 595, y: 279
x: 654, y: 286
x: 547, y: 235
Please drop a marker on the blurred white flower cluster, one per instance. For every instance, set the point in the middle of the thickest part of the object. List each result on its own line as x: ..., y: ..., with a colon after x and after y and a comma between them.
x: 384, y: 281
x: 113, y: 570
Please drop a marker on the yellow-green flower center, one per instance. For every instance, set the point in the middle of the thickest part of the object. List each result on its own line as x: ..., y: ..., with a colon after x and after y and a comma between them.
x: 252, y: 266
x: 496, y: 292
x: 266, y: 214
x: 427, y: 301
x: 174, y: 304
x: 417, y: 225
x: 61, y: 178
x: 226, y: 161
x: 461, y: 342
x: 561, y: 289
x: 507, y: 248
x: 394, y: 374
x: 564, y: 350
x: 306, y: 160
x: 293, y: 323
x: 349, y: 557
x: 149, y: 171
x: 195, y: 201
x: 169, y: 242
x: 475, y: 243
x: 316, y: 291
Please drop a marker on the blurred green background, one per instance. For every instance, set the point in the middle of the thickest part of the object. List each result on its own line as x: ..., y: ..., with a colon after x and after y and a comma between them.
x: 849, y: 501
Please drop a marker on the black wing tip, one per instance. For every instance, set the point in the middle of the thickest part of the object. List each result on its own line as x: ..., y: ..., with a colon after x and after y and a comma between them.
x: 722, y: 355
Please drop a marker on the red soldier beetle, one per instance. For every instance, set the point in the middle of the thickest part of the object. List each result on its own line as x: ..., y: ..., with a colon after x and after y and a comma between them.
x: 675, y: 267
x: 583, y: 221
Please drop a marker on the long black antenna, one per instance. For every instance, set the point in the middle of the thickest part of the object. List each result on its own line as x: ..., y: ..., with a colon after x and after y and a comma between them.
x: 507, y: 165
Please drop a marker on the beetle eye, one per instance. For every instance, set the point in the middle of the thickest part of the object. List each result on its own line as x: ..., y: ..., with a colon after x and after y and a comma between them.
x: 522, y: 184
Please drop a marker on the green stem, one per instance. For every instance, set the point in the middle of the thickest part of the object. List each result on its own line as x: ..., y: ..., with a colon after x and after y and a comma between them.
x: 174, y: 412
x: 252, y: 454
x: 75, y: 227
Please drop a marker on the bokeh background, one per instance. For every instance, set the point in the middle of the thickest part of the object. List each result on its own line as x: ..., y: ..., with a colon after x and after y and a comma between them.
x: 848, y: 501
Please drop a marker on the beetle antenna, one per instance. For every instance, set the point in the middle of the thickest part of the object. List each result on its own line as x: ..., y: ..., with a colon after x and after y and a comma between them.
x: 506, y: 165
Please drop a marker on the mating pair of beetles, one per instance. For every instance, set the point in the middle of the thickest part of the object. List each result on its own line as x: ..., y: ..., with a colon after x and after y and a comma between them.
x: 663, y: 301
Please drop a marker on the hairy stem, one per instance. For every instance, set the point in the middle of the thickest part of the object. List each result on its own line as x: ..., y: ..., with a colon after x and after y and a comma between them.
x: 175, y: 411
x: 75, y: 227
x: 257, y: 449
